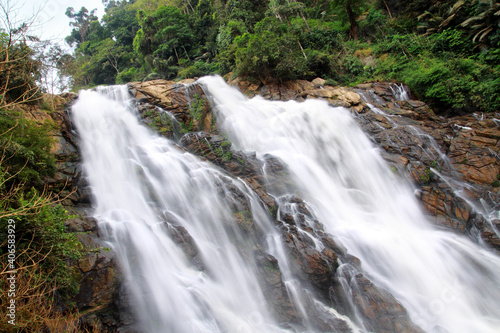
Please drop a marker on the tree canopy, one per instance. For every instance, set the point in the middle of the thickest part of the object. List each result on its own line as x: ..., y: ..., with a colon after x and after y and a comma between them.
x: 344, y: 41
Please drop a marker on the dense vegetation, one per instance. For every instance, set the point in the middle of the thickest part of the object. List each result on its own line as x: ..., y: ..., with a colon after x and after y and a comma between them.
x: 446, y: 51
x: 34, y: 245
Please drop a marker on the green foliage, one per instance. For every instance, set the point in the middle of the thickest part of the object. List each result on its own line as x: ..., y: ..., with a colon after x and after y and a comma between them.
x: 81, y: 21
x: 129, y: 75
x: 103, y: 50
x: 167, y: 39
x: 374, y: 25
x: 120, y: 21
x: 451, y: 41
x: 322, y: 39
x: 441, y: 69
x: 199, y: 68
x: 159, y: 122
x: 248, y: 12
x: 426, y: 176
x: 41, y: 239
x: 196, y: 107
x: 26, y: 148
x: 45, y: 233
x: 173, y: 35
x: 43, y: 247
x: 454, y: 65
x: 271, y: 52
x: 228, y: 32
x: 321, y: 64
x: 19, y: 71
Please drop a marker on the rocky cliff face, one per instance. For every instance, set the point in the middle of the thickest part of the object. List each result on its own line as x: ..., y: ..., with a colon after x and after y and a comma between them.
x: 100, y: 296
x: 453, y: 164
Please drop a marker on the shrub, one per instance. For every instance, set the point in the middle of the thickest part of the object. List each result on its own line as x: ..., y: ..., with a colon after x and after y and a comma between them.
x: 129, y: 75
x: 42, y: 249
x: 271, y: 53
x: 460, y: 84
x: 26, y: 148
x: 451, y: 40
x: 199, y: 68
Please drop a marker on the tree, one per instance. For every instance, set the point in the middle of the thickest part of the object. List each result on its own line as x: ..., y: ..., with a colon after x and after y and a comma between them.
x: 283, y: 10
x: 165, y: 40
x: 174, y: 32
x: 150, y: 6
x: 55, y: 67
x: 42, y: 244
x: 18, y: 69
x: 352, y: 9
x: 270, y: 54
x: 81, y: 23
x: 121, y: 23
x: 249, y: 12
x: 107, y: 47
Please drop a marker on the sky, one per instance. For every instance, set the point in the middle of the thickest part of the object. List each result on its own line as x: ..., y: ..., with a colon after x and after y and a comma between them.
x: 50, y: 21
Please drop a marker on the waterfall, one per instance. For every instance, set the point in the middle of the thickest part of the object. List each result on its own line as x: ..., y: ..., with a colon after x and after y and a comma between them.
x: 399, y: 92
x: 192, y: 241
x: 447, y: 283
x: 170, y: 217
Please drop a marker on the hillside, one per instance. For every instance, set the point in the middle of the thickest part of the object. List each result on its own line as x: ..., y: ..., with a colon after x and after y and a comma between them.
x: 446, y: 52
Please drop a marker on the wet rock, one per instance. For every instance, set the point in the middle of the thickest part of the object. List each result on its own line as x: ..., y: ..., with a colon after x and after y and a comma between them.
x: 186, y: 100
x: 101, y: 298
x: 274, y: 289
x: 454, y: 162
x: 381, y: 311
x: 335, y: 96
x: 318, y: 82
x: 313, y: 255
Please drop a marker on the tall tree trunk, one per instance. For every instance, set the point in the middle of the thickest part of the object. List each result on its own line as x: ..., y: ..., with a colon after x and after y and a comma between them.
x: 388, y: 10
x: 305, y: 21
x: 176, y: 55
x: 352, y: 19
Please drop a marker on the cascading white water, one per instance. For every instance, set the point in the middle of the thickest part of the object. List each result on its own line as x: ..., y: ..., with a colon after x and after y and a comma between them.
x: 399, y: 92
x: 447, y: 283
x: 143, y: 188
x: 450, y: 176
x: 147, y: 192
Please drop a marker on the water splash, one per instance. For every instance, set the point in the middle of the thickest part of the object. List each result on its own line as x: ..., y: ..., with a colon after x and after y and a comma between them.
x: 442, y: 167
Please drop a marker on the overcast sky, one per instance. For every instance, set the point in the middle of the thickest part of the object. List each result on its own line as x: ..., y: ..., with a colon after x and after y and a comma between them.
x: 51, y: 22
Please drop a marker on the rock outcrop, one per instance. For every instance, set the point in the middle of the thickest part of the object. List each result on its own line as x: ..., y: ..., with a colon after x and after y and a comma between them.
x: 453, y: 162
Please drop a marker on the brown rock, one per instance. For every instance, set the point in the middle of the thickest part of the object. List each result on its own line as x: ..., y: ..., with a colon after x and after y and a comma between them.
x: 318, y: 82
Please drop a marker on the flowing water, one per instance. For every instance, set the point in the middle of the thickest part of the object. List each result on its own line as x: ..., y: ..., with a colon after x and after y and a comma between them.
x: 147, y: 192
x: 446, y: 172
x: 447, y: 283
x: 188, y: 267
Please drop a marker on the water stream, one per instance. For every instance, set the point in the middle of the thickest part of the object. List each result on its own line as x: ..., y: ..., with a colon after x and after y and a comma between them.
x: 189, y: 267
x: 447, y: 283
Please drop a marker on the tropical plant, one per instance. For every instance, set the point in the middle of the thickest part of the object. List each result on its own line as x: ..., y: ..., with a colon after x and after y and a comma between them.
x: 485, y: 22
